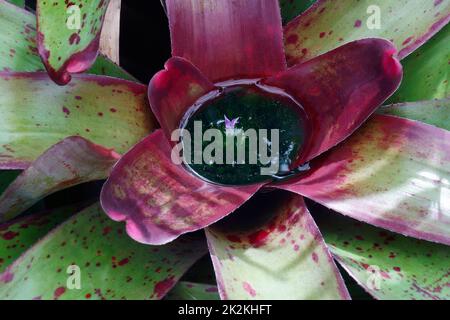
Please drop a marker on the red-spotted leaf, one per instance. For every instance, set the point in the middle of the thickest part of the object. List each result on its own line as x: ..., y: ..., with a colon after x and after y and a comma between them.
x: 435, y: 112
x: 19, y: 235
x: 18, y: 51
x: 69, y: 35
x: 110, y: 265
x: 159, y: 200
x: 387, y: 265
x: 393, y: 173
x: 427, y: 71
x: 18, y: 47
x: 271, y: 249
x: 329, y: 24
x: 290, y: 9
x: 226, y: 39
x: 341, y: 89
x: 172, y: 91
x: 37, y: 114
x: 193, y: 291
x: 70, y: 162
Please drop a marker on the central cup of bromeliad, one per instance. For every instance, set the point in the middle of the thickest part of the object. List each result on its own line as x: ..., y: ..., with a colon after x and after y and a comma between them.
x: 241, y: 134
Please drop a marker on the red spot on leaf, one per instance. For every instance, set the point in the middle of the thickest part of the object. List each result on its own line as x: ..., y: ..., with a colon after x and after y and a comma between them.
x: 249, y: 289
x: 292, y: 39
x: 123, y: 262
x: 59, y: 292
x: 315, y: 257
x: 162, y: 287
x: 257, y: 239
x: 9, y: 235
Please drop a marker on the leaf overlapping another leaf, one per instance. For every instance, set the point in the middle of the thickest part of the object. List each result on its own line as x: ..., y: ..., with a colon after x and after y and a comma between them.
x: 111, y: 265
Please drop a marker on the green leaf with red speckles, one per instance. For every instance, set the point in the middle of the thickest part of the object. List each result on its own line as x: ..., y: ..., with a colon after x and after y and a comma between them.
x: 18, y: 51
x: 70, y: 162
x: 111, y: 265
x: 388, y: 265
x: 434, y: 112
x: 36, y: 114
x: 292, y: 8
x: 19, y: 235
x: 329, y: 24
x: 271, y: 248
x: 18, y: 48
x: 19, y: 3
x: 69, y: 35
x: 193, y: 291
x: 393, y: 173
x: 426, y: 72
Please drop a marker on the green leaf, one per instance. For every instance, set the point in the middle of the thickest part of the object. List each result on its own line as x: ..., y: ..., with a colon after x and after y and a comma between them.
x: 435, y: 112
x: 69, y: 35
x: 329, y: 24
x: 19, y: 3
x: 18, y: 51
x: 19, y: 235
x: 68, y: 163
x: 193, y: 291
x: 104, y: 66
x: 427, y: 71
x: 292, y: 8
x: 18, y: 48
x: 388, y: 265
x: 271, y: 249
x: 36, y: 114
x: 111, y: 265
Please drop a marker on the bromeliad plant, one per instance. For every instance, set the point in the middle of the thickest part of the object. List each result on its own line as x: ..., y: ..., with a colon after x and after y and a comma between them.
x: 320, y: 79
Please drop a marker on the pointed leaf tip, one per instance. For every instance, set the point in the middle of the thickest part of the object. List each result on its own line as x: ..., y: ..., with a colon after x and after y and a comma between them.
x: 68, y: 35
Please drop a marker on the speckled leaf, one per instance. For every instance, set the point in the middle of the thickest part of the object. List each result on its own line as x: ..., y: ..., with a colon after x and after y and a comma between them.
x: 160, y: 200
x: 435, y: 112
x: 388, y: 265
x: 70, y: 162
x: 292, y: 8
x: 18, y: 47
x: 18, y: 51
x: 340, y: 89
x: 112, y: 266
x: 36, y: 114
x: 193, y: 291
x: 329, y: 24
x: 427, y: 71
x: 69, y: 35
x: 393, y: 173
x: 277, y: 254
x: 19, y: 235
